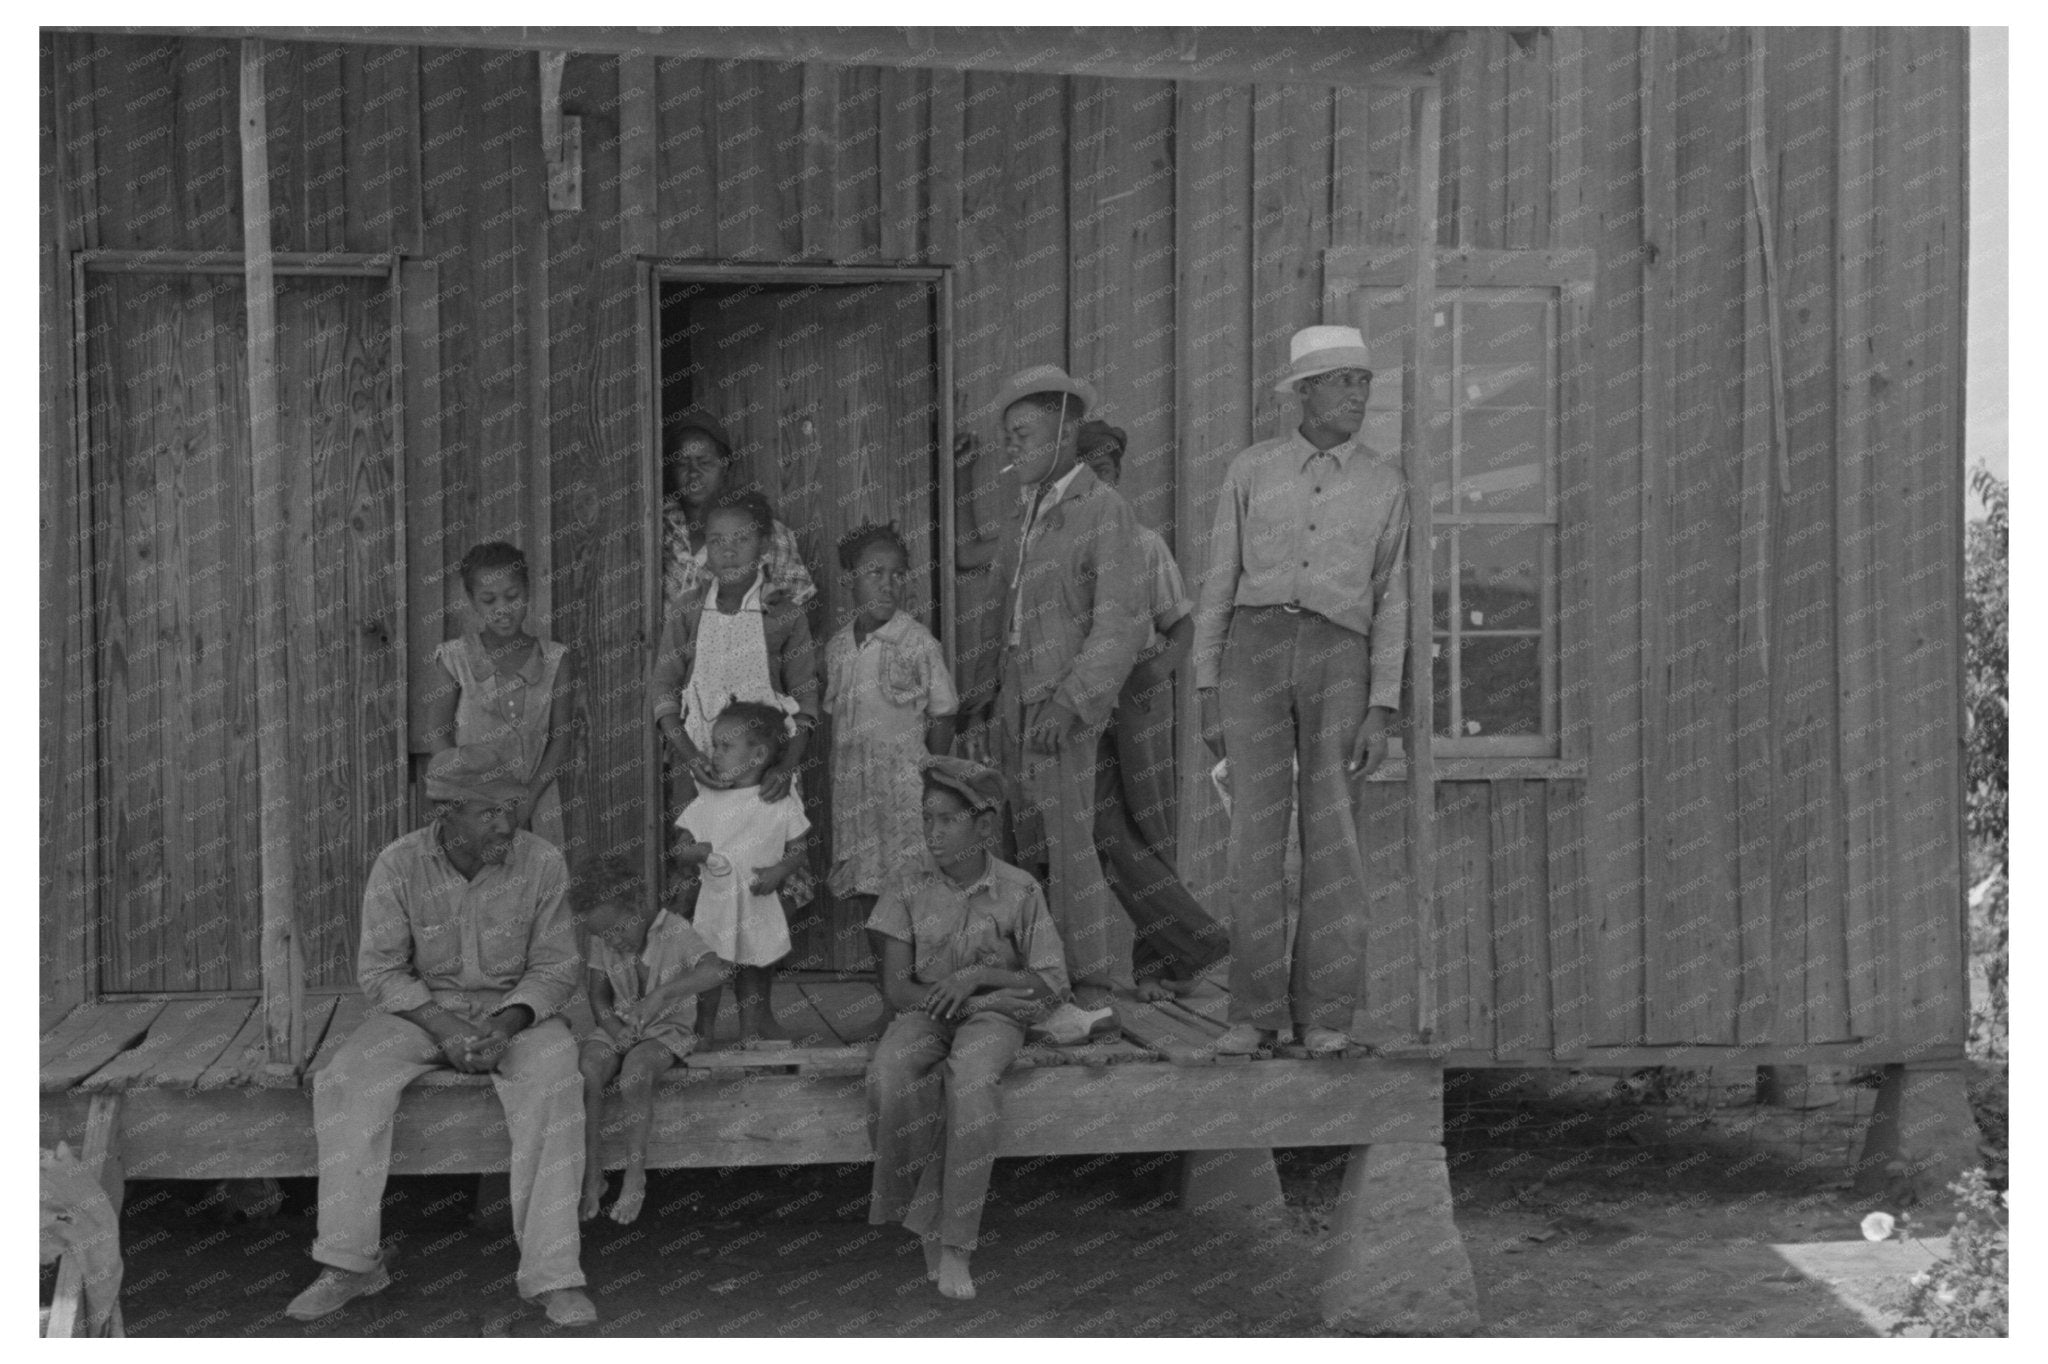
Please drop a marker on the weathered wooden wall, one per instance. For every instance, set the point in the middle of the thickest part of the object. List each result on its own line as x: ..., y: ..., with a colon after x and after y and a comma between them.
x: 1765, y: 845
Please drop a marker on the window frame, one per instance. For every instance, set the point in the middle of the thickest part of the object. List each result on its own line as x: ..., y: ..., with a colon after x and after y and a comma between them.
x: 1569, y: 275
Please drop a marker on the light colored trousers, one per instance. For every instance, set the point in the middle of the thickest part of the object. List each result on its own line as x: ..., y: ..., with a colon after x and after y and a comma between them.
x: 1053, y: 798
x: 935, y: 1103
x: 539, y: 1084
x: 1293, y: 695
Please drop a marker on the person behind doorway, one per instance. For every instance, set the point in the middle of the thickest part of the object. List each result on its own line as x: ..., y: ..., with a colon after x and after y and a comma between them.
x: 1301, y: 635
x: 891, y: 700
x: 699, y: 469
x: 969, y: 955
x: 467, y: 959
x: 646, y: 968
x: 498, y: 684
x: 1074, y: 616
x: 1176, y: 940
x: 747, y: 847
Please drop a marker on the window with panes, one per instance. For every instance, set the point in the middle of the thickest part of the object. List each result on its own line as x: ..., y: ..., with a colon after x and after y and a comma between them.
x: 1496, y: 442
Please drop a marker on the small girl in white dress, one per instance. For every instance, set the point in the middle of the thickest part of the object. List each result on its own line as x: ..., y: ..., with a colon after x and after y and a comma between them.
x: 747, y: 847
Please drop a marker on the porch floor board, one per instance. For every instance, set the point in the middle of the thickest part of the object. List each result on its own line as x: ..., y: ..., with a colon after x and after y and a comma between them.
x: 197, y: 1102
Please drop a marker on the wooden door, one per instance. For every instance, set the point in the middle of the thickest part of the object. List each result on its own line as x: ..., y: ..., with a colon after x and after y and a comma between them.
x: 175, y: 618
x: 832, y: 397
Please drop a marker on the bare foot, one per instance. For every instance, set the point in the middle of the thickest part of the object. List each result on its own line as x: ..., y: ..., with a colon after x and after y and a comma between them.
x: 632, y: 1192
x: 931, y: 1255
x: 1152, y: 990
x: 593, y: 1194
x: 954, y: 1281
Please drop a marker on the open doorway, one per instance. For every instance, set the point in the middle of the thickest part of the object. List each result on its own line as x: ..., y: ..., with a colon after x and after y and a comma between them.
x: 835, y: 387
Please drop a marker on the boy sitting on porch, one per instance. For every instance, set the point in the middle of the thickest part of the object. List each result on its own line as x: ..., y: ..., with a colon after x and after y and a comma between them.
x: 969, y: 956
x: 646, y: 968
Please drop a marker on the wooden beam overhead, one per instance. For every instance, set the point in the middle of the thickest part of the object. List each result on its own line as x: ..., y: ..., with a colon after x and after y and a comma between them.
x: 1271, y: 56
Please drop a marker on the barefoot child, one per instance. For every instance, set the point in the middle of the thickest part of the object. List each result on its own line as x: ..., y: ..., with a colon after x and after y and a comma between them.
x: 646, y: 968
x: 890, y: 699
x: 747, y: 846
x: 501, y: 686
x: 969, y: 957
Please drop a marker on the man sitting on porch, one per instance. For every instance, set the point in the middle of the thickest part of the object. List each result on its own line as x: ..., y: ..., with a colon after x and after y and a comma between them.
x: 467, y: 958
x: 1300, y: 637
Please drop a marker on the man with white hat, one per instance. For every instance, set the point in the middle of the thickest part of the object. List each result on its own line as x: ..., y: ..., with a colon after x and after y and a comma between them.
x: 1074, y: 618
x: 467, y: 958
x: 1301, y: 632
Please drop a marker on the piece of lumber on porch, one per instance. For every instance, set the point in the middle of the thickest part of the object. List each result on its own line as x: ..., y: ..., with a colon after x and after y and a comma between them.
x: 91, y: 1036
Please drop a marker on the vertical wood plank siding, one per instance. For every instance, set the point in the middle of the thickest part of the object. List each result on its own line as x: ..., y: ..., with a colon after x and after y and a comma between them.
x: 1759, y: 670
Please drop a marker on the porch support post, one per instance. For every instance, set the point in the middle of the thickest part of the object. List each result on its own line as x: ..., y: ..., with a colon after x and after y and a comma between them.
x: 1394, y: 1264
x: 1425, y: 116
x: 277, y: 812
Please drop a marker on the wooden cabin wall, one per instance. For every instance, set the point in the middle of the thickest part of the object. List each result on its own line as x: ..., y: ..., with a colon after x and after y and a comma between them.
x: 1766, y: 843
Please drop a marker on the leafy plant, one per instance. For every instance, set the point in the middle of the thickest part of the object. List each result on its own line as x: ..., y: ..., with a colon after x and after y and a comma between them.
x: 1964, y: 1293
x: 1985, y: 601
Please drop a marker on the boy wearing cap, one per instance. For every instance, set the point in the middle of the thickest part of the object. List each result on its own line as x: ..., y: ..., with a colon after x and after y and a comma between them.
x: 1074, y: 619
x: 1301, y: 632
x: 1134, y: 797
x: 968, y: 955
x: 467, y: 959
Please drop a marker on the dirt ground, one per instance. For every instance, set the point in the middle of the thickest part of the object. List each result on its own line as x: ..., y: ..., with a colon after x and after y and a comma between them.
x: 1590, y: 1205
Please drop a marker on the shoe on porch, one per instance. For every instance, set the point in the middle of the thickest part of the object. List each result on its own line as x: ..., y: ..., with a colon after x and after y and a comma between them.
x: 335, y: 1289
x: 1324, y: 1041
x: 569, y: 1307
x: 1070, y: 1025
x: 1244, y: 1039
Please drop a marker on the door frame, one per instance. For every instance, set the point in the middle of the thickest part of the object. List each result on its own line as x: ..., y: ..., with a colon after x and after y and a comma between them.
x: 655, y: 271
x: 385, y: 266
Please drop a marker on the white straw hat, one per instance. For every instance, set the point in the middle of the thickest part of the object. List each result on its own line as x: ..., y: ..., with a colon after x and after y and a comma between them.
x: 1318, y: 350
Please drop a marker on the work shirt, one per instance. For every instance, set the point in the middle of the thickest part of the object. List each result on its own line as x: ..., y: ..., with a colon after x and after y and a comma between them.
x: 428, y: 928
x: 1001, y: 920
x: 1319, y: 530
x: 1167, y: 590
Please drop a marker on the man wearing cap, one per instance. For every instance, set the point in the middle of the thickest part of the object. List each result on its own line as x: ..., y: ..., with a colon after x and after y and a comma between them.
x: 1134, y: 798
x: 1300, y: 635
x: 467, y: 959
x: 1074, y: 619
x: 968, y: 954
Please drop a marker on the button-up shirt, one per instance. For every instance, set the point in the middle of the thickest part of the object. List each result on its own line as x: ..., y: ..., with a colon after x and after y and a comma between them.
x: 428, y: 928
x: 1000, y: 920
x: 1321, y: 530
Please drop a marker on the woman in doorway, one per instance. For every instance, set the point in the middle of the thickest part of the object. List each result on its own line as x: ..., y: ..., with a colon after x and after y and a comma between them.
x: 696, y: 469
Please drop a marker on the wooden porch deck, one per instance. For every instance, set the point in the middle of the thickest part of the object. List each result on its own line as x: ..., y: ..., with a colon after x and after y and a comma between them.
x: 199, y: 1102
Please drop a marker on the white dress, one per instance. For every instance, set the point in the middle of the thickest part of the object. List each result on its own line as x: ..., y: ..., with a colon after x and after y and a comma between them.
x: 744, y: 928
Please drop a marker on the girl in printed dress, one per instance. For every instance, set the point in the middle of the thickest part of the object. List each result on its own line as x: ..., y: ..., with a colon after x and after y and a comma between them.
x: 891, y: 700
x: 501, y: 685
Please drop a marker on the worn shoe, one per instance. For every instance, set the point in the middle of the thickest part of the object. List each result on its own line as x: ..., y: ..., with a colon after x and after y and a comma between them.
x: 569, y: 1307
x: 1323, y: 1041
x: 335, y: 1289
x: 1243, y: 1039
x: 1070, y: 1025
